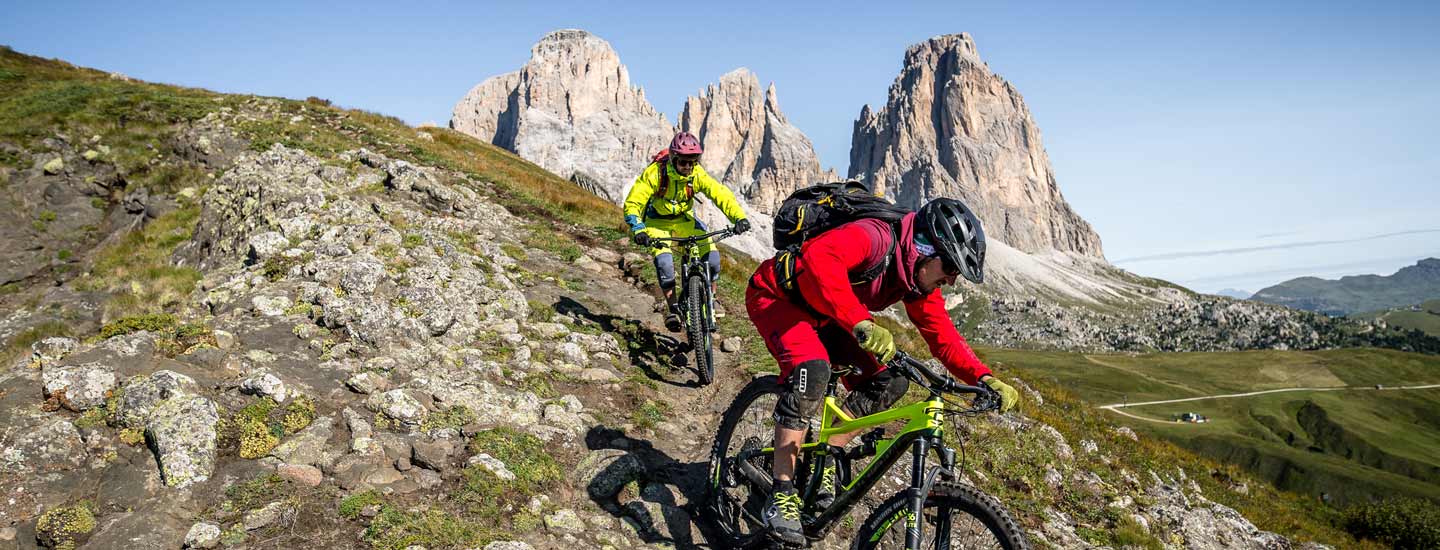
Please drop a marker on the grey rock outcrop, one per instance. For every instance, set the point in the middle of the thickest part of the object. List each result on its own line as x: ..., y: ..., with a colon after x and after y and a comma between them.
x: 748, y: 143
x: 182, y: 433
x: 952, y: 128
x: 572, y: 110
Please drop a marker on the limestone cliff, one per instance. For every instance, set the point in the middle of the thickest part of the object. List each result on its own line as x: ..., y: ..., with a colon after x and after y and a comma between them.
x: 572, y: 110
x: 952, y: 128
x: 748, y: 143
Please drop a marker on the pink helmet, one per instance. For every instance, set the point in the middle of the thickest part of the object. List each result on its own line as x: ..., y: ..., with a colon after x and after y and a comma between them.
x: 685, y: 143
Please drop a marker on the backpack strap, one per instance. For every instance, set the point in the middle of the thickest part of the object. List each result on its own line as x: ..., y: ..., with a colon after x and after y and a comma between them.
x: 878, y: 270
x: 787, y: 272
x: 664, y: 177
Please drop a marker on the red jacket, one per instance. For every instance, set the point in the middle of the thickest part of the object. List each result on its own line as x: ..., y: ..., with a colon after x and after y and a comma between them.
x: 826, y: 266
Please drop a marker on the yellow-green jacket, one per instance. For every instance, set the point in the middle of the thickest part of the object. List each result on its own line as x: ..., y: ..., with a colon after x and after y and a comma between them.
x: 643, y: 202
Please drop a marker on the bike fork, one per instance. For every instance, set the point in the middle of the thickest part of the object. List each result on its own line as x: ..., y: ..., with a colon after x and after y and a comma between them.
x: 917, y: 494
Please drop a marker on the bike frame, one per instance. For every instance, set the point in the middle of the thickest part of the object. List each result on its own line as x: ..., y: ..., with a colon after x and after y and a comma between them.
x: 923, y: 432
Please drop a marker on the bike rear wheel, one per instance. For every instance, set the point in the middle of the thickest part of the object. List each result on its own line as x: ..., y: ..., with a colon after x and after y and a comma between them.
x: 735, y: 504
x: 697, y: 328
x: 976, y: 521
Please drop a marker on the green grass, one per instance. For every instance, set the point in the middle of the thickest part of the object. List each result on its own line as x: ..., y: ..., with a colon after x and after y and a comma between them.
x: 1426, y: 319
x: 138, y: 271
x: 1392, y: 428
x: 20, y: 343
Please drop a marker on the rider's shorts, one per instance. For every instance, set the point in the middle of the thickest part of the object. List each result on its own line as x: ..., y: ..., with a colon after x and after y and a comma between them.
x: 794, y: 335
x: 801, y: 341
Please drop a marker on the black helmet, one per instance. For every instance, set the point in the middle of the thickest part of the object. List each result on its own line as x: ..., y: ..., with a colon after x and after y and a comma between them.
x: 955, y: 232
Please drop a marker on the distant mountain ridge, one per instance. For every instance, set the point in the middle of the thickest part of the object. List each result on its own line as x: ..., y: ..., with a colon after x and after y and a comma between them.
x: 1352, y: 294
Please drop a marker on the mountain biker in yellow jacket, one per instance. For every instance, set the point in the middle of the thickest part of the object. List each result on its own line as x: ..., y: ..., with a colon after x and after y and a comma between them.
x: 662, y: 204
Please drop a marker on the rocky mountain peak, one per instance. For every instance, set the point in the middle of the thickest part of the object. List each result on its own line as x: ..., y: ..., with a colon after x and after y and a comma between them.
x: 952, y: 128
x: 748, y: 142
x: 572, y: 110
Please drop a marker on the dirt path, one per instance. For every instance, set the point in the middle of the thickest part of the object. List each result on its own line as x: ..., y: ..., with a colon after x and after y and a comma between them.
x: 1115, y: 407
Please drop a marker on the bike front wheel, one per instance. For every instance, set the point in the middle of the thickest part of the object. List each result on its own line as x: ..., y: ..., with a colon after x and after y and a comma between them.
x: 697, y: 300
x: 975, y: 520
x: 735, y: 502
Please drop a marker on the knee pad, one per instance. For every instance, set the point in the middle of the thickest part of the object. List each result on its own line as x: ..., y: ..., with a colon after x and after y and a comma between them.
x: 802, y: 394
x: 714, y: 259
x: 876, y: 394
x: 665, y: 270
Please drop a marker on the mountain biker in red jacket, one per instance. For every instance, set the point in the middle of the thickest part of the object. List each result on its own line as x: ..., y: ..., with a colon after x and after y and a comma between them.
x: 830, y: 321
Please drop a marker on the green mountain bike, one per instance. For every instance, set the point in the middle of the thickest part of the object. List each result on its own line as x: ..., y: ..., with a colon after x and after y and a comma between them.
x: 697, y: 302
x: 936, y: 511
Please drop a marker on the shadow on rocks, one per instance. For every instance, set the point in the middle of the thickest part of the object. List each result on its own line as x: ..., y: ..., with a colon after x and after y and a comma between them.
x: 651, y: 351
x: 661, y: 497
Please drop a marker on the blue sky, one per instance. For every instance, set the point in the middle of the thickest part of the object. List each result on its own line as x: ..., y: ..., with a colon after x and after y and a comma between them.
x: 1240, y: 133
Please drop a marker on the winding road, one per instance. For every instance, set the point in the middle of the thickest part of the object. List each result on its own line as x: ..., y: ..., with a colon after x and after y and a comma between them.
x: 1115, y: 407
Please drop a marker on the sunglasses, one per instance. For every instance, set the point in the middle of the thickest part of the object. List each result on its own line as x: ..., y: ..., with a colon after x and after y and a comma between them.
x: 686, y: 163
x: 950, y: 270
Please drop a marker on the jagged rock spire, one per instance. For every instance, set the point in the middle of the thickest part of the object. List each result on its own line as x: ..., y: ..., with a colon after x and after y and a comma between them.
x: 572, y: 110
x: 952, y: 128
x: 748, y: 143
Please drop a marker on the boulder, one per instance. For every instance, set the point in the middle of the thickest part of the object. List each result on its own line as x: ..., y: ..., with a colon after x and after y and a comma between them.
x: 182, y: 433
x: 78, y: 387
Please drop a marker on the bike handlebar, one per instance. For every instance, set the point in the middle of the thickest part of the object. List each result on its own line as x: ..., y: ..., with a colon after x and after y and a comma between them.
x: 921, y: 373
x: 723, y: 234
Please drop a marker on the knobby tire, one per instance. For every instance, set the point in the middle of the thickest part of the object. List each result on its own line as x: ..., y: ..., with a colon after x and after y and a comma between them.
x: 983, y: 522
x: 749, y: 417
x: 698, y: 333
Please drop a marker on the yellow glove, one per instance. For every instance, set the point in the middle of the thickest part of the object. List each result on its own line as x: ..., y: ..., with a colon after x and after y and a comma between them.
x: 1008, y: 396
x: 875, y: 339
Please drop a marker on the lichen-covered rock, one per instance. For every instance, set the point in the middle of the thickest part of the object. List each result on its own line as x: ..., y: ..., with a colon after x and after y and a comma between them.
x: 264, y: 517
x: 264, y: 384
x: 50, y: 350
x: 400, y: 408
x: 509, y: 545
x: 267, y: 244
x: 310, y: 446
x: 142, y: 394
x: 366, y: 382
x: 78, y: 387
x: 271, y: 306
x: 202, y: 535
x: 52, y: 444
x: 492, y: 465
x: 182, y: 433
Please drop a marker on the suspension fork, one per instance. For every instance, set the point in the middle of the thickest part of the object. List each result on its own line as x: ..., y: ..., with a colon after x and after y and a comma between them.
x: 943, y: 513
x: 917, y: 492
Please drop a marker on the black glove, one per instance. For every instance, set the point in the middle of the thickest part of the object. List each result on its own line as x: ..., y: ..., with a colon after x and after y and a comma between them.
x: 642, y: 238
x: 742, y: 226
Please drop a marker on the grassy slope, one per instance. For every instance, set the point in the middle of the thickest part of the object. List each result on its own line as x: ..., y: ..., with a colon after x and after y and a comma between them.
x: 44, y: 96
x: 1403, y: 424
x: 1427, y: 320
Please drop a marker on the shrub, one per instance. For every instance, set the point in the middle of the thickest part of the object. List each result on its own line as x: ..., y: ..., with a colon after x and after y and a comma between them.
x: 62, y: 527
x: 1404, y: 523
x: 159, y: 323
x: 298, y: 414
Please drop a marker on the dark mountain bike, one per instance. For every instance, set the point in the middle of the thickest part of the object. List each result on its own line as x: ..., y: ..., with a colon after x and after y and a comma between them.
x: 697, y: 303
x: 936, y: 511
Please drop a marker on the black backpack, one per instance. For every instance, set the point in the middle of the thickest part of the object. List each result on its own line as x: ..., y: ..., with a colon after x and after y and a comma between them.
x: 813, y: 210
